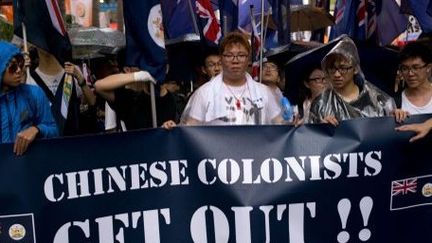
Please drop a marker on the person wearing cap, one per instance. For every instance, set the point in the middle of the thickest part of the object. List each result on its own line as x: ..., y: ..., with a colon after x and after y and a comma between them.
x: 25, y: 112
x: 351, y: 95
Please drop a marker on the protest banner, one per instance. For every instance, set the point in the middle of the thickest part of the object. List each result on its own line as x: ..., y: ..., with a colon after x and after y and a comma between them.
x: 359, y: 182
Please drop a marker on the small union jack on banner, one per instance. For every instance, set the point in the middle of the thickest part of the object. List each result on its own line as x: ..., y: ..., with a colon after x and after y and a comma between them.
x: 411, y: 192
x: 403, y: 187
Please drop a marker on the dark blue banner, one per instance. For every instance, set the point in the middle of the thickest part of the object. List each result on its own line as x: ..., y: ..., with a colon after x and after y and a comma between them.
x: 359, y: 182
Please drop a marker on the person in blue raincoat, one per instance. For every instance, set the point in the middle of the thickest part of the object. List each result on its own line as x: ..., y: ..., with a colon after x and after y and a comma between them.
x: 24, y: 110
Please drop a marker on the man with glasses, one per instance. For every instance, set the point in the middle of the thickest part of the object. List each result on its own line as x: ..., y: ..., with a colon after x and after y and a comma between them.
x: 232, y: 97
x: 350, y: 95
x: 24, y: 110
x: 416, y: 98
x: 212, y: 65
x: 415, y: 69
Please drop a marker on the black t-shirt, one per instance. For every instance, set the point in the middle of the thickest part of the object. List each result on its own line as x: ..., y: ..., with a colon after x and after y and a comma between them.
x: 134, y: 108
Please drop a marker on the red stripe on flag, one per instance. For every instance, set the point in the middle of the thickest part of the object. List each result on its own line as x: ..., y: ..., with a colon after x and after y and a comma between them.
x: 58, y: 16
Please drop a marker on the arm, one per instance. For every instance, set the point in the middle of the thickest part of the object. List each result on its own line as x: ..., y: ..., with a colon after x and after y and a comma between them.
x: 106, y: 86
x: 421, y: 129
x: 74, y: 70
x: 44, y: 125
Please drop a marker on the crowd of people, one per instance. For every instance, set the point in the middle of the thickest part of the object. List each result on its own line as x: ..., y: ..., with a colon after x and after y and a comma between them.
x: 332, y: 90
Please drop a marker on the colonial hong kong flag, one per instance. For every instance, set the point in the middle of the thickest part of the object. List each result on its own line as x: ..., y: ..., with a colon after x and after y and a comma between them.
x: 45, y: 26
x: 345, y: 20
x: 411, y: 192
x: 45, y: 29
x: 422, y: 10
x: 178, y: 22
x: 145, y: 43
x: 211, y: 29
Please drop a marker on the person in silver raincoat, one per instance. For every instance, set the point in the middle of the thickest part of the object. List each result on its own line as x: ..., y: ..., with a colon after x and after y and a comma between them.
x: 350, y: 95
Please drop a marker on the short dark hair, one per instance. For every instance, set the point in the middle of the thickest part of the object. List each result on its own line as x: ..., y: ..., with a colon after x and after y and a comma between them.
x: 207, y: 53
x: 234, y: 38
x: 416, y: 49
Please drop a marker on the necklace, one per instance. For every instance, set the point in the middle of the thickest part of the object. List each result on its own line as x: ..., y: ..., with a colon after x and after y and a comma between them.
x: 237, y: 103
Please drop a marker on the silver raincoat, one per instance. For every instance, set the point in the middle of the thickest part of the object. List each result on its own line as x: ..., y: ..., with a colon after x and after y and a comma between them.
x: 371, y: 102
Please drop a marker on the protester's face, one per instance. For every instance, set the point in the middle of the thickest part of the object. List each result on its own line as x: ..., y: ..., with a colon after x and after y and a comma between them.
x: 270, y: 73
x: 341, y: 74
x: 235, y: 60
x: 415, y: 72
x: 316, y: 82
x: 14, y: 73
x: 212, y: 65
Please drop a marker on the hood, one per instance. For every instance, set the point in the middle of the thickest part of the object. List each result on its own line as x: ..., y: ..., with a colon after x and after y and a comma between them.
x: 7, y: 52
x: 346, y: 48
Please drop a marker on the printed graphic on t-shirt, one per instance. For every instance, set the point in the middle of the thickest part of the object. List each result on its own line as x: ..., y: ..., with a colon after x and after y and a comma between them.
x: 240, y: 111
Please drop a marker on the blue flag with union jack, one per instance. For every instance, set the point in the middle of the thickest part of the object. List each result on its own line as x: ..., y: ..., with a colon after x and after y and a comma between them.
x: 411, y: 192
x: 345, y: 18
x: 209, y: 26
x: 280, y: 10
x: 145, y: 42
x: 178, y: 22
x: 422, y: 11
x: 44, y: 25
x: 390, y: 22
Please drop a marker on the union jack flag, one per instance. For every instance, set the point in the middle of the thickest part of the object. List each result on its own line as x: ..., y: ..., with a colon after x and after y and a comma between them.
x: 340, y: 9
x: 362, y: 19
x: 372, y: 19
x: 256, y: 47
x: 361, y: 13
x: 404, y: 186
x: 211, y: 30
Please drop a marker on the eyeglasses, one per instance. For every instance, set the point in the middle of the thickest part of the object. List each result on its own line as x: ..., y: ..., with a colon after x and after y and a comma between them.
x: 341, y: 69
x: 270, y: 67
x: 213, y: 64
x: 231, y: 57
x: 15, y: 64
x: 414, y: 69
x: 318, y: 80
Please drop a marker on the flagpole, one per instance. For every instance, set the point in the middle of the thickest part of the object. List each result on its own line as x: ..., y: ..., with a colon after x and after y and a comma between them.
x: 153, y: 104
x: 262, y: 42
x: 25, y: 46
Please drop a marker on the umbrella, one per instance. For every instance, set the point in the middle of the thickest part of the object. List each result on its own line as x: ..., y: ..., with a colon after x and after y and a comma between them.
x: 296, y: 68
x: 307, y: 17
x: 92, y: 42
x: 372, y: 59
x: 282, y: 54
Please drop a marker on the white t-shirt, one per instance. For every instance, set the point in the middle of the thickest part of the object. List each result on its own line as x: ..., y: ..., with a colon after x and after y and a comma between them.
x: 52, y: 81
x: 236, y: 103
x: 412, y: 109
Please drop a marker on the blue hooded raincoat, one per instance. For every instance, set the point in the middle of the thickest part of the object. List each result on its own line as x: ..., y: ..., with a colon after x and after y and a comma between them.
x: 23, y: 106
